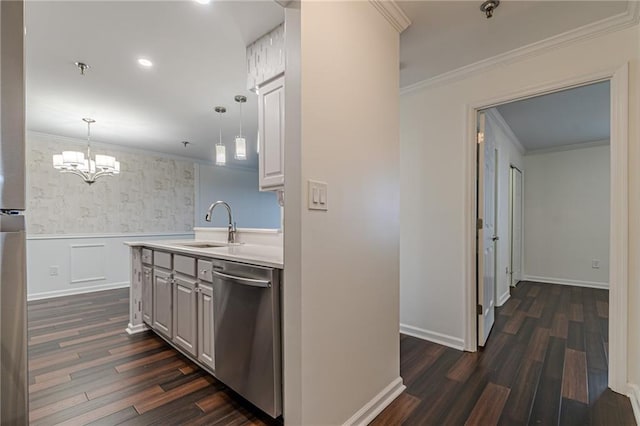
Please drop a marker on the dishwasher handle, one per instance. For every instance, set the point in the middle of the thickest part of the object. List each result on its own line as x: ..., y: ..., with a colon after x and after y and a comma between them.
x: 242, y: 280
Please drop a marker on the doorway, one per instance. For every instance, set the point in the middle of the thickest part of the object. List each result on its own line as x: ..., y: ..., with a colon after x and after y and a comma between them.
x: 617, y: 324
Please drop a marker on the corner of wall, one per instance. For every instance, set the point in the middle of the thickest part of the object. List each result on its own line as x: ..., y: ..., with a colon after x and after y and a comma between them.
x: 634, y: 396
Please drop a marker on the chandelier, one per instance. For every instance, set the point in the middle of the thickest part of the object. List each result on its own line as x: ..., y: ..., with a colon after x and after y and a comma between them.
x: 88, y: 169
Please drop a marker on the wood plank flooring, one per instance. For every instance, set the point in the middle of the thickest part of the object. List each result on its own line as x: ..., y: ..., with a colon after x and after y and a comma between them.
x: 85, y: 369
x: 545, y: 363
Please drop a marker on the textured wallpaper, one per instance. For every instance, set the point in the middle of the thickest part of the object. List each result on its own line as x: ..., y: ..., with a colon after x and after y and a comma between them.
x: 151, y: 194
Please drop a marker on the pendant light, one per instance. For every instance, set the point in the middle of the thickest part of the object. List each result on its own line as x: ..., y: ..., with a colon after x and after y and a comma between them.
x: 221, y: 151
x: 241, y: 142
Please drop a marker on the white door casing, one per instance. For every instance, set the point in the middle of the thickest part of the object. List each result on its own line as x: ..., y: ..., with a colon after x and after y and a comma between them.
x: 619, y: 225
x: 516, y: 226
x: 486, y: 230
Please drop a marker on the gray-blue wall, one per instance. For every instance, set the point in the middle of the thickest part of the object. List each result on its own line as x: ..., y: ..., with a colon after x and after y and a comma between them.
x: 238, y: 187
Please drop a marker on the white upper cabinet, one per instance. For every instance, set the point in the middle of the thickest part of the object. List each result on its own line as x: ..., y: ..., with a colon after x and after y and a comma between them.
x: 271, y: 131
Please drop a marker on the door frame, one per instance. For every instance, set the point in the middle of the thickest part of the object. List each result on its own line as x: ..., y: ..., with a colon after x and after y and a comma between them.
x: 511, y: 215
x: 619, y: 222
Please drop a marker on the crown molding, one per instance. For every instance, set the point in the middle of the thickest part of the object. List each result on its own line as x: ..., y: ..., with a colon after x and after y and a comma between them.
x: 392, y: 13
x: 626, y: 19
x: 501, y: 122
x: 572, y: 147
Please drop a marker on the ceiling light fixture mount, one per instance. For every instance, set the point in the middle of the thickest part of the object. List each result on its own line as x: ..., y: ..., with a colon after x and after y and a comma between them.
x: 82, y: 67
x: 185, y: 143
x: 489, y: 6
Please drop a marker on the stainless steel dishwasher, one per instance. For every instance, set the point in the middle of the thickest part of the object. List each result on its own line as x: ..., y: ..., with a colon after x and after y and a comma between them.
x: 247, y: 332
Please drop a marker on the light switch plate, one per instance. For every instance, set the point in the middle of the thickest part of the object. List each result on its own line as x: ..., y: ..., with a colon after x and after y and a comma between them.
x: 317, y: 195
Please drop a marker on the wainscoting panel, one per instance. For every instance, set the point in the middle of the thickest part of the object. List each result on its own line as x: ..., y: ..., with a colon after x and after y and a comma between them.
x: 87, y: 263
x: 60, y: 265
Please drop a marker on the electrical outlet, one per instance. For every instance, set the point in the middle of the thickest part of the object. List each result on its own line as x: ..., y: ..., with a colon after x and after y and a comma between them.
x: 595, y: 264
x: 53, y: 271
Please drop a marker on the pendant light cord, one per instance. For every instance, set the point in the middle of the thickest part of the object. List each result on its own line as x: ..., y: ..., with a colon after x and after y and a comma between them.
x: 240, y: 119
x: 220, y: 127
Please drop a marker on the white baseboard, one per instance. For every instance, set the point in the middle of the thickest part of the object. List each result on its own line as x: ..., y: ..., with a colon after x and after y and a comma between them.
x: 503, y: 299
x: 562, y: 281
x: 382, y: 400
x: 432, y: 336
x: 634, y: 396
x: 76, y: 290
x: 135, y: 329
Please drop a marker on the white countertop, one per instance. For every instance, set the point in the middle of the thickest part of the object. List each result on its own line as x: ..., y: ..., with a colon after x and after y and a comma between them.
x: 254, y: 254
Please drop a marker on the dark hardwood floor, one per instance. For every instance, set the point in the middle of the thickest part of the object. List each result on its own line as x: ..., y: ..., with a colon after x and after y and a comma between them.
x: 545, y: 363
x: 85, y: 369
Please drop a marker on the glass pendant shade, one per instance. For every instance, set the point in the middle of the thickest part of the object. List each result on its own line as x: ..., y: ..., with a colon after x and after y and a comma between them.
x: 73, y: 158
x: 58, y: 162
x: 221, y: 155
x: 241, y: 148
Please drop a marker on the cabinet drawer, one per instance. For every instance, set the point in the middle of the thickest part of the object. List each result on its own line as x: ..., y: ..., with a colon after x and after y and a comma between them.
x: 204, y: 270
x: 185, y: 265
x: 162, y: 259
x: 147, y: 256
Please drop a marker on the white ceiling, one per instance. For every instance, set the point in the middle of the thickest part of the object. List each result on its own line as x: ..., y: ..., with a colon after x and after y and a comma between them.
x: 199, y: 60
x: 563, y: 118
x: 445, y: 35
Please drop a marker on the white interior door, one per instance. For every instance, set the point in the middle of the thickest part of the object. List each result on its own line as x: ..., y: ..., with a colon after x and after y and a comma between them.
x: 486, y: 230
x: 516, y: 226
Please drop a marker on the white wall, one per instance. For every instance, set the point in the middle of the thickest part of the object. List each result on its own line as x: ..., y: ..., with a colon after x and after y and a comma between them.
x: 510, y: 153
x: 341, y: 279
x: 433, y: 177
x: 566, y: 222
x: 238, y: 187
x: 60, y: 265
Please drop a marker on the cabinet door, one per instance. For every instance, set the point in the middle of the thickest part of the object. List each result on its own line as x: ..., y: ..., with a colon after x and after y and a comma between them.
x: 162, y: 301
x: 147, y: 295
x: 205, y: 326
x: 185, y: 313
x: 271, y: 130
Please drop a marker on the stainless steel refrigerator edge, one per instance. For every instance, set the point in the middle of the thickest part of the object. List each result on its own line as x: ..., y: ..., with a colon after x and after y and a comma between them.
x: 13, y: 285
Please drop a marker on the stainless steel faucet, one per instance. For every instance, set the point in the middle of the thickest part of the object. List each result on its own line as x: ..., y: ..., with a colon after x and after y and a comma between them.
x: 231, y: 238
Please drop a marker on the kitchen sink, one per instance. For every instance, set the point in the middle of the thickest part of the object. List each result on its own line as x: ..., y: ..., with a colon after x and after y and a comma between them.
x: 202, y: 245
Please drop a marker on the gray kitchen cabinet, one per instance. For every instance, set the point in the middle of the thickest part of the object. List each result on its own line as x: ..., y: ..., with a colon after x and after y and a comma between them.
x: 271, y: 131
x: 147, y: 295
x: 162, y: 302
x: 205, y: 326
x: 185, y: 313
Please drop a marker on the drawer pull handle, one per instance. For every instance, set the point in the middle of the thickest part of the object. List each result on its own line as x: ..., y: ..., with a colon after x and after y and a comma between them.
x: 242, y: 280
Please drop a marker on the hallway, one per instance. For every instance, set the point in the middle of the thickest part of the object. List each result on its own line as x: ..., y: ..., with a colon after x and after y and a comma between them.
x: 545, y: 363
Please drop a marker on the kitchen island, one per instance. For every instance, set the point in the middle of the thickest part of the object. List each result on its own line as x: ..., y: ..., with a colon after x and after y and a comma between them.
x: 219, y: 305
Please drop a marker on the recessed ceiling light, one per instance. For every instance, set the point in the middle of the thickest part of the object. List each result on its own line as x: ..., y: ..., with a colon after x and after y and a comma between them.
x: 145, y: 62
x: 203, y: 1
